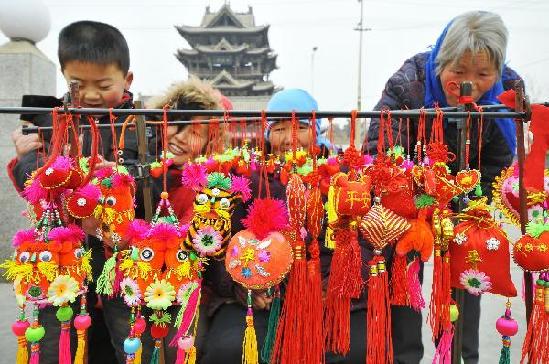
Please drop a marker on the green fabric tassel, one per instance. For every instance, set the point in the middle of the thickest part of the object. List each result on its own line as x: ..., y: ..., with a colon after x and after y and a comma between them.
x: 505, y: 356
x: 270, y: 338
x: 106, y: 279
x: 155, y: 355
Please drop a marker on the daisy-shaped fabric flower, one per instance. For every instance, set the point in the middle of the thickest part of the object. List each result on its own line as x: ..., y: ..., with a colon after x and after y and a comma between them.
x: 159, y: 295
x: 460, y: 238
x: 63, y: 289
x: 207, y: 240
x: 492, y: 244
x: 130, y: 292
x: 475, y: 282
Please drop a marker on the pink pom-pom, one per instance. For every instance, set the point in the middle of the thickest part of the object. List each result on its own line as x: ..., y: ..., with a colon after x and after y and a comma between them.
x: 34, y: 192
x: 21, y: 236
x: 265, y: 216
x: 183, y: 229
x: 164, y: 232
x: 332, y: 161
x: 19, y: 327
x: 194, y: 176
x: 241, y: 185
x: 122, y: 180
x: 140, y: 325
x: 82, y: 322
x: 104, y: 172
x: 89, y: 191
x: 137, y: 230
x: 368, y: 160
x: 62, y: 163
x: 69, y: 233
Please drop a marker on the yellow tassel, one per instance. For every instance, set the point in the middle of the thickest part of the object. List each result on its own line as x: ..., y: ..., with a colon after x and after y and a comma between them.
x: 137, y: 358
x: 22, y: 356
x: 250, y: 354
x: 190, y: 358
x: 81, y: 348
x: 329, y: 241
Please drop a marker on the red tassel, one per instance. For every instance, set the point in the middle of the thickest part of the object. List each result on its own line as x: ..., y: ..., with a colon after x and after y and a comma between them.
x: 379, y: 343
x: 439, y: 307
x: 537, y: 337
x: 289, y: 345
x: 443, y: 353
x: 399, y: 294
x: 417, y: 302
x: 290, y: 342
x: 314, y: 332
x: 345, y: 282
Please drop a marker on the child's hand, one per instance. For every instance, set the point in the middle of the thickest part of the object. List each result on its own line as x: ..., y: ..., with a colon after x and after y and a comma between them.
x: 25, y: 143
x: 260, y: 300
x: 103, y: 163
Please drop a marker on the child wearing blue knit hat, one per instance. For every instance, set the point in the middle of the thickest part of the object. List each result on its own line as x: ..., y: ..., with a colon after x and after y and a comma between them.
x: 279, y: 132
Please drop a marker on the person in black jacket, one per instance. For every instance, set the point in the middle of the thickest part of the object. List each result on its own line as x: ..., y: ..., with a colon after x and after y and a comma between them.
x: 471, y: 48
x: 97, y: 56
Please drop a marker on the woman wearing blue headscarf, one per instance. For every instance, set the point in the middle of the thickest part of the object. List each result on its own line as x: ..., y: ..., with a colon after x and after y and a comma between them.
x: 472, y: 48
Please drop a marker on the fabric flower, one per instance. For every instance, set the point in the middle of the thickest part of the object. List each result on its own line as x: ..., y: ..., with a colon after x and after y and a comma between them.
x: 159, y: 295
x: 63, y: 289
x: 460, y: 238
x: 475, y: 282
x: 130, y: 291
x: 492, y: 244
x: 207, y: 240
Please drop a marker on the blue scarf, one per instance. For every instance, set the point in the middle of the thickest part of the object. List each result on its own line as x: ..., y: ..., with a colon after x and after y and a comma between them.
x: 434, y: 93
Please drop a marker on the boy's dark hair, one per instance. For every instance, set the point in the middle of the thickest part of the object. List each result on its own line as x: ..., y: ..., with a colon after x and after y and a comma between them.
x: 93, y: 42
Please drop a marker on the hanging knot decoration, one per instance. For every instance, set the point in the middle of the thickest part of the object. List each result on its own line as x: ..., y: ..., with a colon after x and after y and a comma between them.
x: 380, y: 227
x: 314, y: 221
x: 507, y: 327
x: 289, y: 338
x: 537, y: 338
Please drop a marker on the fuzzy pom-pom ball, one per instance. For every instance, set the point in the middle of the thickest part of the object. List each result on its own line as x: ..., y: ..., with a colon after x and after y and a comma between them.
x: 265, y: 216
x: 194, y: 176
x: 21, y: 236
x: 137, y: 230
x: 241, y: 185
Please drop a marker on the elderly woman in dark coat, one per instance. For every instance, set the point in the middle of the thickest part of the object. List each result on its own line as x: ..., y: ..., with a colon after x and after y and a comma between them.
x: 471, y: 48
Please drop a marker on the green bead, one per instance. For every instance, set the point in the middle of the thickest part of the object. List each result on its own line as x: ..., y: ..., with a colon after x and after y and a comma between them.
x: 540, y: 282
x: 64, y: 313
x: 454, y: 313
x: 135, y: 254
x: 34, y: 334
x: 192, y: 256
x: 478, y: 191
x: 535, y: 213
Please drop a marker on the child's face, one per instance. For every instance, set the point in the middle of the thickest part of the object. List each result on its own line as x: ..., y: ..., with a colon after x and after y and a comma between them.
x: 101, y: 86
x: 280, y: 137
x: 187, y: 142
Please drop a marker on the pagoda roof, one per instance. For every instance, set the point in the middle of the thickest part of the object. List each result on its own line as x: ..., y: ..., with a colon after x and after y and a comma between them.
x: 225, y: 15
x: 225, y: 80
x: 190, y: 30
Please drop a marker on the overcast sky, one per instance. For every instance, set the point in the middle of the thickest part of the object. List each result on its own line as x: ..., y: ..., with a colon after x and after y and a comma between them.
x: 400, y: 29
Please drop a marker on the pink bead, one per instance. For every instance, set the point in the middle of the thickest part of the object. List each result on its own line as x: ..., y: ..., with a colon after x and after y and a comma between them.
x: 82, y: 322
x: 19, y: 327
x: 185, y: 342
x: 506, y: 326
x: 140, y: 325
